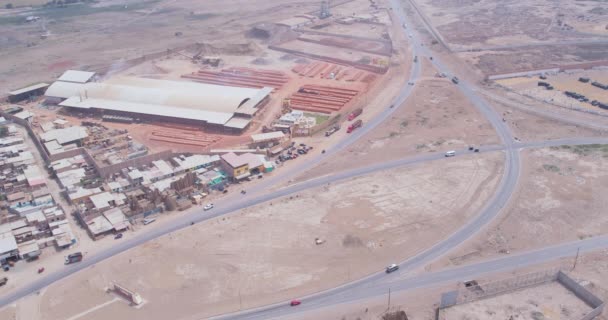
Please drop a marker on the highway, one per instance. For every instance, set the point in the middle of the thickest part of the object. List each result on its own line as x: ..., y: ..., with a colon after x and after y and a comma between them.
x: 401, y: 282
x: 234, y: 203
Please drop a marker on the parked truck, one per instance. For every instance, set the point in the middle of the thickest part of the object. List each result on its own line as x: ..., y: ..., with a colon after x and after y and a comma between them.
x: 354, y: 126
x: 73, y: 258
x: 354, y: 114
x: 332, y: 130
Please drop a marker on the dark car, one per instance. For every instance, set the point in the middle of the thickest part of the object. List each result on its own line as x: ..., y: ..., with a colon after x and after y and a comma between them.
x: 118, y: 236
x: 294, y: 303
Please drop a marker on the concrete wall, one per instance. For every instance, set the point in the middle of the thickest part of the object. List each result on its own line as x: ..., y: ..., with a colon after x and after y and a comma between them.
x: 522, y: 74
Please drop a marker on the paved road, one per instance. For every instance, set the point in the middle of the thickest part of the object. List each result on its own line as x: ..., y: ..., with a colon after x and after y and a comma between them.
x: 507, y: 185
x: 397, y: 282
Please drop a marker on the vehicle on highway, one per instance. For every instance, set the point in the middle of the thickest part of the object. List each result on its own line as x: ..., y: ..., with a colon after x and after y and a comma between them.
x: 471, y: 148
x: 332, y: 130
x: 148, y: 220
x: 415, y: 58
x: 476, y: 150
x: 294, y: 303
x: 354, y: 114
x: 40, y: 270
x: 354, y: 126
x: 450, y: 153
x: 411, y: 83
x: 393, y: 267
x: 455, y: 80
x: 73, y: 258
x: 118, y: 236
x: 208, y: 206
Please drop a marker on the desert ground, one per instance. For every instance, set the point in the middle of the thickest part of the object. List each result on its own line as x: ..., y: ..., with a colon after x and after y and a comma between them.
x: 386, y: 217
x: 560, y: 198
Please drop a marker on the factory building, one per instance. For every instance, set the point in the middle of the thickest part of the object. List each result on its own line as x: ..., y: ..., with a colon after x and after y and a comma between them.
x: 216, y: 107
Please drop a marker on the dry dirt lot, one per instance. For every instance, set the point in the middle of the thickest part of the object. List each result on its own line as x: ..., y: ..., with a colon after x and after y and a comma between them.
x: 267, y: 253
x: 561, y: 197
x: 531, y: 58
x: 8, y: 313
x: 436, y: 117
x: 547, y: 301
x: 487, y: 22
x: 90, y: 37
x: 528, y: 127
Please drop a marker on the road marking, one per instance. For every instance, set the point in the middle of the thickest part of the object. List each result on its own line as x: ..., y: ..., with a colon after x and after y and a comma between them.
x: 95, y: 308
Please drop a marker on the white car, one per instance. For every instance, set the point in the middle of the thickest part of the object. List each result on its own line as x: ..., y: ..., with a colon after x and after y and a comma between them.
x: 208, y: 206
x: 450, y: 153
x: 392, y: 267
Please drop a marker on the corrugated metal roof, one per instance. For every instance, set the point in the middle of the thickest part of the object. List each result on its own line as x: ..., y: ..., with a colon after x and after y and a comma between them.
x: 60, y: 89
x: 76, y: 76
x: 249, y: 107
x: 186, y: 100
x: 267, y: 136
x: 29, y: 88
x: 150, y: 109
x: 65, y: 135
x: 237, y: 123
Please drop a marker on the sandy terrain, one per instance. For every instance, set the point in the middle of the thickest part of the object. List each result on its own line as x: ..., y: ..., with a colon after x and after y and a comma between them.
x: 475, y: 22
x: 267, y: 253
x: 100, y: 36
x: 560, y: 198
x: 8, y: 313
x: 547, y: 301
x: 528, y: 127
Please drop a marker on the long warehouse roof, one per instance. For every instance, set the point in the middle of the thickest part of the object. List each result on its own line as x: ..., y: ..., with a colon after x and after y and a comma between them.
x: 179, y: 99
x: 149, y: 109
x: 76, y: 76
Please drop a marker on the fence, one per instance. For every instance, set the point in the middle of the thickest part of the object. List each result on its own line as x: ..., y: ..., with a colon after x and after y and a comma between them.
x: 488, y: 290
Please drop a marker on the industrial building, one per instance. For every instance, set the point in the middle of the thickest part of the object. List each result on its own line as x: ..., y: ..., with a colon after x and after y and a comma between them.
x: 224, y: 108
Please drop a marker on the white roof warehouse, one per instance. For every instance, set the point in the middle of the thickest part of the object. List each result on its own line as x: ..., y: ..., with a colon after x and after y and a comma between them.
x: 212, y: 104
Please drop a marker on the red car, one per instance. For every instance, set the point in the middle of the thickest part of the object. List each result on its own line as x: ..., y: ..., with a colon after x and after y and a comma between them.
x: 294, y: 303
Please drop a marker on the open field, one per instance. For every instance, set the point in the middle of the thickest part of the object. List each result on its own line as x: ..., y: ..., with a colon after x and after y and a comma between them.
x: 561, y: 198
x: 528, y: 127
x: 106, y: 37
x: 268, y: 253
x: 532, y: 58
x: 547, y: 301
x: 485, y: 22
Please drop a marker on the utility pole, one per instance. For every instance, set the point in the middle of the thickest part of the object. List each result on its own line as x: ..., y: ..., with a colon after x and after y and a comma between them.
x: 576, y: 258
x: 389, y: 300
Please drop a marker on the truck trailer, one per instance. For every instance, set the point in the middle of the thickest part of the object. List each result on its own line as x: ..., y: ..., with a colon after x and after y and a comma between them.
x: 354, y: 114
x: 73, y: 258
x: 354, y: 126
